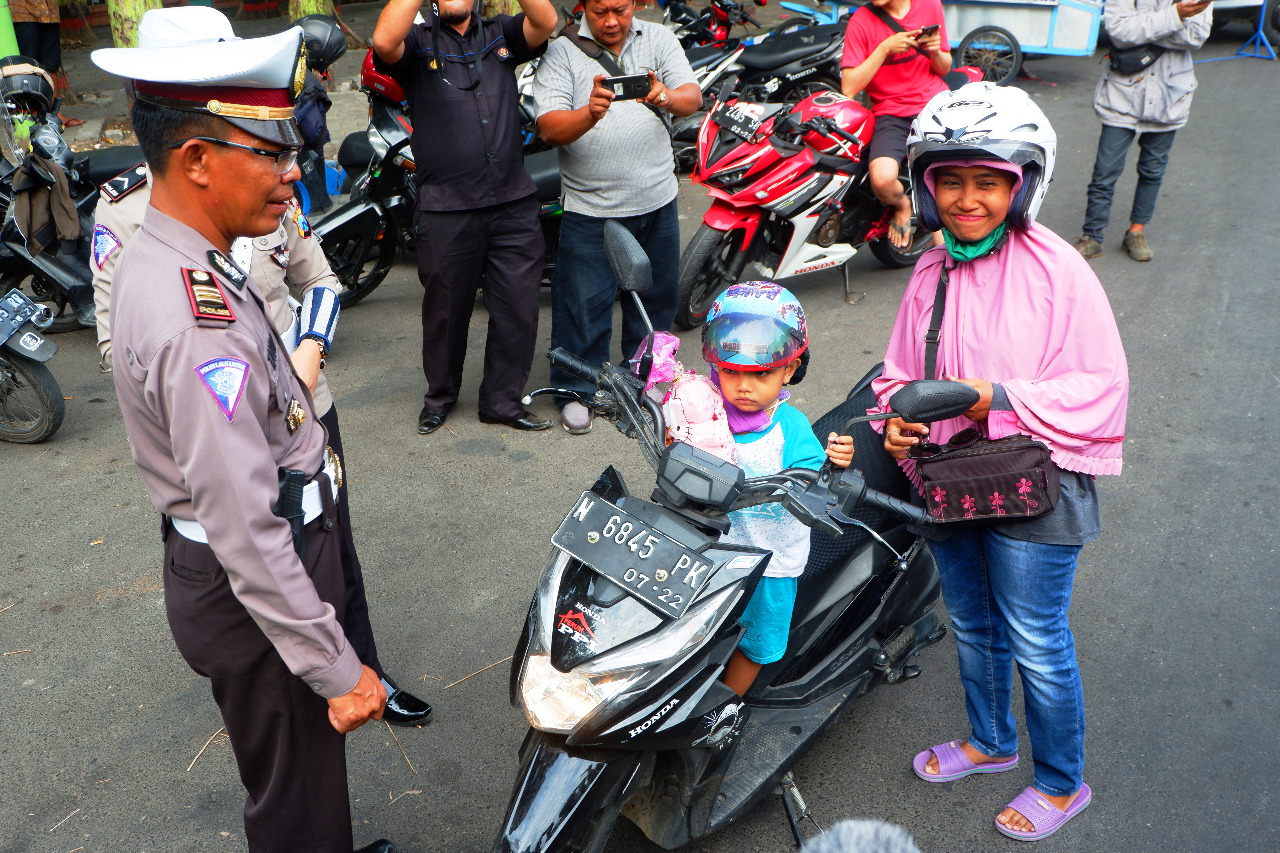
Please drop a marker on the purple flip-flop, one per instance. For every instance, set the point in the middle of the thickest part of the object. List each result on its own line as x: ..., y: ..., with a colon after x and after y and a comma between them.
x: 1044, y: 815
x: 953, y: 764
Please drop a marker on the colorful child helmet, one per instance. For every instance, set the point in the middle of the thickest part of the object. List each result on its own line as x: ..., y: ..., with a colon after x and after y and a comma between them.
x: 755, y: 325
x: 982, y: 121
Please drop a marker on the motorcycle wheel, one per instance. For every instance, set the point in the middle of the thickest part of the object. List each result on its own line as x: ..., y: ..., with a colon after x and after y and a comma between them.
x: 995, y: 51
x: 31, y: 406
x: 361, y: 267
x: 44, y: 292
x: 894, y: 258
x: 705, y: 272
x: 811, y: 86
x: 1271, y: 21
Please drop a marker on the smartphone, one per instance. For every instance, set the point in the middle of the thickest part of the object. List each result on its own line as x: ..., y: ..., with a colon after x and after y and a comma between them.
x: 628, y: 87
x: 929, y: 31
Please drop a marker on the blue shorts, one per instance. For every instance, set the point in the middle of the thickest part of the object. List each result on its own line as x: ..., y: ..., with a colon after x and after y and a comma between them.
x: 768, y: 619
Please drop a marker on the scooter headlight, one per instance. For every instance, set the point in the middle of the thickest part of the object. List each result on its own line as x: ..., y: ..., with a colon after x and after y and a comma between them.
x: 557, y: 701
x: 377, y: 143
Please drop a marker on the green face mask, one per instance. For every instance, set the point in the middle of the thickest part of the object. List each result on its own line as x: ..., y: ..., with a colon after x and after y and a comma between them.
x: 964, y: 251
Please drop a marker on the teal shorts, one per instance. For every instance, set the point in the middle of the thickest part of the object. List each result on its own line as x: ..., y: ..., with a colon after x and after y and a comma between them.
x: 768, y: 619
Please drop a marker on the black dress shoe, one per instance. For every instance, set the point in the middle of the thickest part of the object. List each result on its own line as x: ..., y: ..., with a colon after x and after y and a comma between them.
x: 404, y: 709
x: 430, y: 421
x: 527, y: 421
x: 382, y: 845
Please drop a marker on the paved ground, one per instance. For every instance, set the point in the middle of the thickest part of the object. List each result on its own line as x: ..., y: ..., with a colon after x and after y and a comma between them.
x: 1175, y: 610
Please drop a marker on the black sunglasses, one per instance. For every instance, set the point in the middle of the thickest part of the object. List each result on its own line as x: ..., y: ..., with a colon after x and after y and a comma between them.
x: 286, y: 158
x: 928, y: 450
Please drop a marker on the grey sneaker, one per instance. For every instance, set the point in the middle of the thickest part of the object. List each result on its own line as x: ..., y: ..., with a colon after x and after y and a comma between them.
x: 1088, y: 247
x: 1136, y: 246
x: 576, y: 418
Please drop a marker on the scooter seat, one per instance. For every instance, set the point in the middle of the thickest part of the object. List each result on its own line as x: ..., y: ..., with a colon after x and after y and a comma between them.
x: 777, y: 51
x: 701, y: 57
x: 544, y: 168
x: 106, y: 163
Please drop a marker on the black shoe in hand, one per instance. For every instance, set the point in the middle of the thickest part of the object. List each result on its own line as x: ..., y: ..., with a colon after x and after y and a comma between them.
x: 527, y: 421
x: 404, y: 709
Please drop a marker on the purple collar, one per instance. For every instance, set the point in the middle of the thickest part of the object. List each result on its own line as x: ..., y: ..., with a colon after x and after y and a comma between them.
x: 741, y: 422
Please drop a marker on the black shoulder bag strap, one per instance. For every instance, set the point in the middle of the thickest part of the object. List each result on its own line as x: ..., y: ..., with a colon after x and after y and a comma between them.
x: 892, y: 23
x: 589, y: 46
x: 934, y: 334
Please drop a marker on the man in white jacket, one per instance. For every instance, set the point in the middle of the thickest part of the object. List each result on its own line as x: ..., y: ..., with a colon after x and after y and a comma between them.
x: 1150, y: 103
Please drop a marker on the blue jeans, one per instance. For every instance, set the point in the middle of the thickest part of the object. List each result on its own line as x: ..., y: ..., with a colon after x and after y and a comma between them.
x: 1113, y: 145
x: 584, y: 288
x: 1008, y: 602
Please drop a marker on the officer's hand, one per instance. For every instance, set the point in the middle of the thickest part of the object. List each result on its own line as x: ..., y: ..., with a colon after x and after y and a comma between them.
x: 1189, y: 8
x: 306, y: 360
x: 601, y: 98
x: 366, y: 701
x: 899, y: 436
x: 840, y: 450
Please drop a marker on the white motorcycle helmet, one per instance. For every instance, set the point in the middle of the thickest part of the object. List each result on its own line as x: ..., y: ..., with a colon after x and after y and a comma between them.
x: 983, y: 121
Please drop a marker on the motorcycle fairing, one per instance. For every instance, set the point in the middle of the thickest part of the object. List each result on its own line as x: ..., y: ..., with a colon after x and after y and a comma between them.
x: 724, y: 217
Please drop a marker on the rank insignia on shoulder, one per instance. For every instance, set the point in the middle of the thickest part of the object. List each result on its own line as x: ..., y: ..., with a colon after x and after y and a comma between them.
x: 227, y: 269
x: 503, y: 53
x: 125, y: 182
x: 281, y: 257
x: 304, y: 226
x: 208, y: 302
x: 295, y: 417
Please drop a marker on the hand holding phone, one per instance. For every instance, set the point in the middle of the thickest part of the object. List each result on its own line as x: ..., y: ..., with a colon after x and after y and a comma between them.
x: 628, y: 87
x: 928, y: 32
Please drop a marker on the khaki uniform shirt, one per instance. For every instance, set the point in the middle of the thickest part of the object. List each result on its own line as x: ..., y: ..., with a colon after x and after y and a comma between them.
x: 280, y: 260
x: 204, y: 404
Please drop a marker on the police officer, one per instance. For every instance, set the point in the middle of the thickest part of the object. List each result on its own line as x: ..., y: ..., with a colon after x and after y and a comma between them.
x: 477, y: 209
x: 290, y: 256
x: 226, y: 437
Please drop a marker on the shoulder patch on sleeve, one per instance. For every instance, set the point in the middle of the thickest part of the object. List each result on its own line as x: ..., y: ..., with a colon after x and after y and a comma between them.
x: 225, y: 379
x: 105, y: 244
x: 304, y: 227
x: 125, y: 182
x: 208, y: 302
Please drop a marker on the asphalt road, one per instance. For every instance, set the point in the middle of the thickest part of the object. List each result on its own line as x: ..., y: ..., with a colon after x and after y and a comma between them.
x: 1175, y: 611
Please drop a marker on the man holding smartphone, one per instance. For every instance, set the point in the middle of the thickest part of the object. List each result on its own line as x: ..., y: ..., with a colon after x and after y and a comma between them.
x: 477, y: 213
x: 615, y: 163
x: 897, y: 51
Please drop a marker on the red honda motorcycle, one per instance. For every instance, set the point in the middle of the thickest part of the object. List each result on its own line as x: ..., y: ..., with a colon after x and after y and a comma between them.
x: 790, y: 193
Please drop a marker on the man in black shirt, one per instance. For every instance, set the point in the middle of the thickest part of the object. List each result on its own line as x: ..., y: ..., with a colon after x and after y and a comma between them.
x: 477, y: 212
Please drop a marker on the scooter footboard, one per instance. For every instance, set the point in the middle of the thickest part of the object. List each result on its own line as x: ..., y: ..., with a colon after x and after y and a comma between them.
x: 568, y: 799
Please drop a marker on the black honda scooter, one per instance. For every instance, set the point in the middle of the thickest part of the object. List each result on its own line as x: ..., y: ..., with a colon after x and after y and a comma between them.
x: 619, y: 664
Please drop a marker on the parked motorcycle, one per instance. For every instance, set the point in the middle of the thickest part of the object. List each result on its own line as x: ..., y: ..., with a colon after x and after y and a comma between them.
x: 364, y: 237
x: 790, y: 192
x: 31, y: 406
x: 30, y: 134
x: 713, y: 26
x: 618, y: 667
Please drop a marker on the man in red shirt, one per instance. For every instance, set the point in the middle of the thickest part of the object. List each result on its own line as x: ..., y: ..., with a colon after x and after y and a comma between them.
x: 900, y: 71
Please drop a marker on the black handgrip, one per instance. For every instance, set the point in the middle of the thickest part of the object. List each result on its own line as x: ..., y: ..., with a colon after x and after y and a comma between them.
x: 918, y: 516
x: 578, y: 367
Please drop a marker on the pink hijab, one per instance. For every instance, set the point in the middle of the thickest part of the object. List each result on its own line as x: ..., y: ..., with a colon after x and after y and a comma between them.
x: 1032, y: 317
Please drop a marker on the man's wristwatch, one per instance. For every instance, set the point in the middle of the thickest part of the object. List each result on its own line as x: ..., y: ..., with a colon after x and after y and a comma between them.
x: 320, y: 342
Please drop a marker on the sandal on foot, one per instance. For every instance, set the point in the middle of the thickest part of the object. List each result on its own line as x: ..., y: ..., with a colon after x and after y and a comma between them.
x: 908, y: 231
x: 1044, y: 815
x: 953, y: 764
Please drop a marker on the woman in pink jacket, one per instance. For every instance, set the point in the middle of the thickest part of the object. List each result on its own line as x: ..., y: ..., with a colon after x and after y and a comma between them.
x: 1027, y: 324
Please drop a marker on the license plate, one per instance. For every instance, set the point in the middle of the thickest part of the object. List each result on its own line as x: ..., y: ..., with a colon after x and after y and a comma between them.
x: 651, y: 566
x: 741, y: 119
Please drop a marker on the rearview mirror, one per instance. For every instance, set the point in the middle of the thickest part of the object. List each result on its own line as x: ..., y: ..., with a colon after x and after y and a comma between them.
x: 681, y: 14
x: 927, y: 400
x: 629, y: 262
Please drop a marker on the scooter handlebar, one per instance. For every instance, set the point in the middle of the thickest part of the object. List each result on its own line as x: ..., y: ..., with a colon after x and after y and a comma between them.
x: 914, y: 514
x: 580, y: 368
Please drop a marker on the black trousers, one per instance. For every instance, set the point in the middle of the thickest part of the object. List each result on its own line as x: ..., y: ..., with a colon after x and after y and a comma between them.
x: 355, y: 622
x: 291, y: 760
x: 504, y: 244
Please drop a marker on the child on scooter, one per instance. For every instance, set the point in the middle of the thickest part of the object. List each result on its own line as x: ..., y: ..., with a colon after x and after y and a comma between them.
x: 756, y: 341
